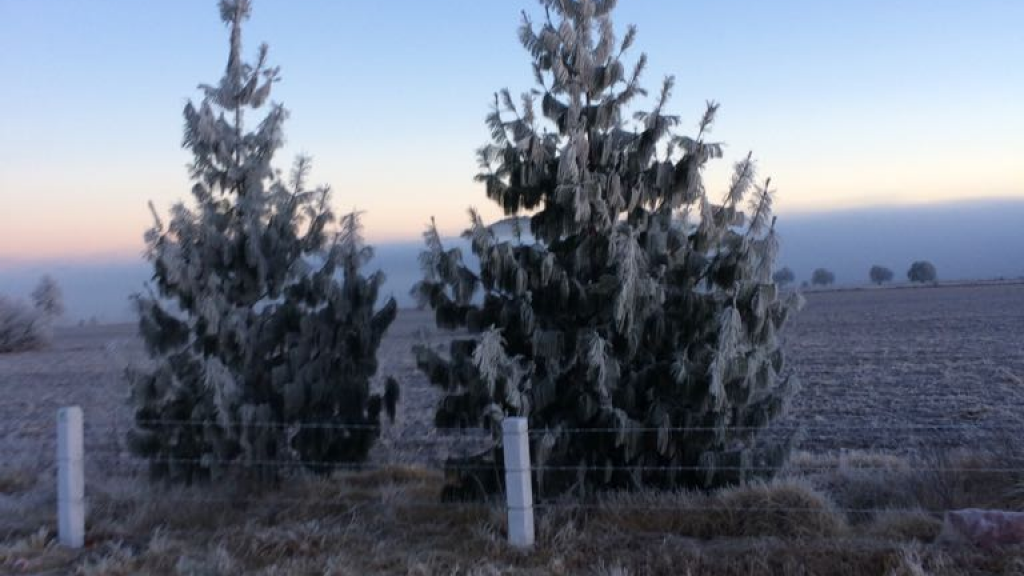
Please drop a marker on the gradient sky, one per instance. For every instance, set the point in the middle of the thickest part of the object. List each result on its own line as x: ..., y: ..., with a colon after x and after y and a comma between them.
x: 845, y: 103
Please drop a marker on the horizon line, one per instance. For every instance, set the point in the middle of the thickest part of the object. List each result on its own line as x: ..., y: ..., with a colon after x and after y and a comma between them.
x: 136, y: 254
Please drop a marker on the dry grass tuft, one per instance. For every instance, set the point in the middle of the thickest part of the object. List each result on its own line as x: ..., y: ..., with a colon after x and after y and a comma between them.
x: 679, y: 513
x: 785, y: 508
x: 112, y: 559
x: 214, y: 561
x: 37, y: 552
x: 789, y: 508
x: 146, y: 509
x: 904, y: 525
x: 862, y: 482
x: 968, y: 479
x: 917, y: 560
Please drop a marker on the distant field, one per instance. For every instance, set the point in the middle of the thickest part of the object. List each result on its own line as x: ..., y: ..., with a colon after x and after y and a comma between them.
x: 868, y: 359
x: 876, y: 358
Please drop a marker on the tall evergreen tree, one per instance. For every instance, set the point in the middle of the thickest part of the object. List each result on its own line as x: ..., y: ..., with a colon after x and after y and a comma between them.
x: 262, y: 330
x: 637, y: 327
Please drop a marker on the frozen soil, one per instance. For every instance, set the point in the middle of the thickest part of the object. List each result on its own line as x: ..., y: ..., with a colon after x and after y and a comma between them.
x: 909, y: 367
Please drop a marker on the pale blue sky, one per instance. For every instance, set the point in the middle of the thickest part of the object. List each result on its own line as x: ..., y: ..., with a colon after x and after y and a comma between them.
x: 846, y: 103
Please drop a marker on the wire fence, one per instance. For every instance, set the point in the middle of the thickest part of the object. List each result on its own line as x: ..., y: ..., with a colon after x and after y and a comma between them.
x: 484, y: 438
x: 120, y: 479
x: 112, y: 439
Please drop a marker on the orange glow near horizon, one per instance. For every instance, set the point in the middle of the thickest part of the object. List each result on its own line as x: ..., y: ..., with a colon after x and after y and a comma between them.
x: 104, y: 220
x: 34, y: 235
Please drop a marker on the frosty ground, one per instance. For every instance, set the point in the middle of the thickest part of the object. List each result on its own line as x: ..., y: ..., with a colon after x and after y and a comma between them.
x: 895, y: 381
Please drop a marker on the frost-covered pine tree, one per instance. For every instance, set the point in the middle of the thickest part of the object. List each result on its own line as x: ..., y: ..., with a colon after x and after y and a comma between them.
x: 48, y: 297
x: 262, y: 330
x: 22, y: 327
x: 636, y: 325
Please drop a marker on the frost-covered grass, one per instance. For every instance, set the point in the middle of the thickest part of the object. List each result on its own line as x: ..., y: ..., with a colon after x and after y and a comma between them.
x: 387, y: 521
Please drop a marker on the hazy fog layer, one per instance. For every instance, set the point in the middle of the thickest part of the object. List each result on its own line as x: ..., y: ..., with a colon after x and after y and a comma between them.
x: 963, y: 240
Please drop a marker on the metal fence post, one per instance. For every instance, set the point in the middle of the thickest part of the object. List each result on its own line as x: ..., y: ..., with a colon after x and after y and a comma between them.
x: 70, y: 478
x: 518, y: 489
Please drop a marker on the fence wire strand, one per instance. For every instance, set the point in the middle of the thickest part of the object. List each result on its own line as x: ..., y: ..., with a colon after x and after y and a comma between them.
x: 141, y: 462
x: 478, y: 431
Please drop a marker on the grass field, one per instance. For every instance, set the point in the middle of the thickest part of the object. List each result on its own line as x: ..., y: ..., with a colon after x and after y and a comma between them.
x: 911, y: 397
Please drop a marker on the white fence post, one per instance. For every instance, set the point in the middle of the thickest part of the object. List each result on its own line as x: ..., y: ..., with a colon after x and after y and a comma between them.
x: 70, y: 478
x: 518, y: 488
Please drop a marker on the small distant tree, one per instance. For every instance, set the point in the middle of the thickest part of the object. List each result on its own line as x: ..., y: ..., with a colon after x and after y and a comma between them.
x: 784, y: 277
x: 22, y: 327
x: 822, y: 277
x: 48, y: 297
x: 262, y: 329
x: 922, y: 271
x: 880, y: 275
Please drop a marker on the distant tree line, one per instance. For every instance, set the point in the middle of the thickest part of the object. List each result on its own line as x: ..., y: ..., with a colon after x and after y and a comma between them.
x: 920, y: 272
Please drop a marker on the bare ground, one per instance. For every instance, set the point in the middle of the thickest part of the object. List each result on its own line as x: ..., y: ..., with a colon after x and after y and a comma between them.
x: 877, y: 362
